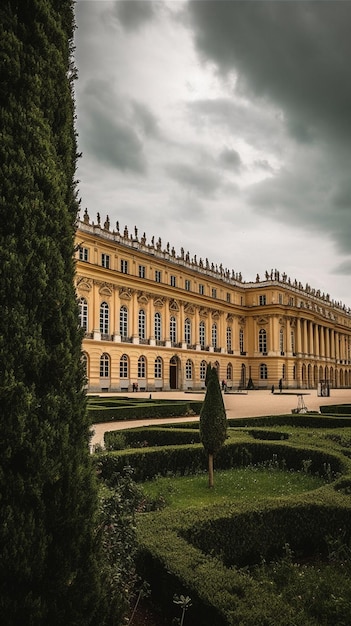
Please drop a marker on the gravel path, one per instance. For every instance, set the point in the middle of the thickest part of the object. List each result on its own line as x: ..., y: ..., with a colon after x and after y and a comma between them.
x: 246, y: 404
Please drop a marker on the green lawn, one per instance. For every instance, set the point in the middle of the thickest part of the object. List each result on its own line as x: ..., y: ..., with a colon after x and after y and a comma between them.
x: 249, y: 483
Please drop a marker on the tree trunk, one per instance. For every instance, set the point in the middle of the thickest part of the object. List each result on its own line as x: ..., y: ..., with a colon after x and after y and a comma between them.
x: 210, y: 471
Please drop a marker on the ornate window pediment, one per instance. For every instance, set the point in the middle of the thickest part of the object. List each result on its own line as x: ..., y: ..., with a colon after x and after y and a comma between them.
x: 262, y: 321
x: 230, y: 318
x: 84, y: 284
x: 105, y: 289
x: 242, y: 320
x: 215, y: 315
x: 159, y: 302
x: 189, y: 308
x: 203, y: 313
x: 125, y: 293
x: 143, y: 298
x: 173, y: 305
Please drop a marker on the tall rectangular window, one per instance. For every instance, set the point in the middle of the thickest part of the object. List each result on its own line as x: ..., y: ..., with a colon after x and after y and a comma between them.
x: 142, y: 271
x: 173, y: 281
x: 124, y: 266
x: 201, y: 290
x: 187, y: 284
x: 105, y: 260
x: 241, y: 341
x: 214, y: 292
x: 228, y: 297
x: 263, y: 300
x: 158, y: 276
x: 83, y: 254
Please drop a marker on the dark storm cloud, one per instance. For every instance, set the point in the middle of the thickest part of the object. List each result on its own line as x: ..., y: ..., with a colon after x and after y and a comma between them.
x: 295, y: 53
x: 133, y: 14
x: 108, y: 128
x: 256, y: 124
x: 230, y: 159
x: 295, y: 57
x: 145, y: 119
x: 201, y: 180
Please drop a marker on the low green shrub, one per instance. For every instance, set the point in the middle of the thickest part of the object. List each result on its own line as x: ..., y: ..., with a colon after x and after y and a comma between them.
x: 222, y: 595
x: 187, y: 459
x: 304, y: 420
x: 150, y: 462
x: 270, y: 435
x: 149, y: 436
x: 142, y: 410
x: 261, y: 534
x: 336, y: 409
x: 173, y: 558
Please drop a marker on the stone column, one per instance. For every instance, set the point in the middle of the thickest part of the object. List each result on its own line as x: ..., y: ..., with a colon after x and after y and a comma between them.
x: 322, y: 344
x: 332, y: 342
x: 298, y: 339
x: 305, y: 337
x: 310, y: 348
x: 327, y: 342
x: 316, y: 339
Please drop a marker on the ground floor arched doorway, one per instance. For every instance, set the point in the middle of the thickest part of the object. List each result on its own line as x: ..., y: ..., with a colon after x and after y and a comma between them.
x: 173, y: 372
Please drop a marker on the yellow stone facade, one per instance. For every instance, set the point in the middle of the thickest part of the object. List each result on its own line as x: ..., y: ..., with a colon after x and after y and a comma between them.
x: 154, y: 318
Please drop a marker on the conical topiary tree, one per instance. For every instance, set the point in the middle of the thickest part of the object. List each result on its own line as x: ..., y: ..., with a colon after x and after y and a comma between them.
x: 213, y: 422
x: 208, y: 373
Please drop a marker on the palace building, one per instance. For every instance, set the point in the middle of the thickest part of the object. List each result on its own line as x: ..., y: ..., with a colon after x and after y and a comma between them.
x: 156, y: 318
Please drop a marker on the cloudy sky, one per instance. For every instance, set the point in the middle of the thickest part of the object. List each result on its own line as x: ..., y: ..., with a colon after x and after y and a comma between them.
x: 223, y: 127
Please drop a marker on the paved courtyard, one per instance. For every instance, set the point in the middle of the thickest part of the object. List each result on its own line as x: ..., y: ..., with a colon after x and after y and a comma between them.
x: 246, y: 404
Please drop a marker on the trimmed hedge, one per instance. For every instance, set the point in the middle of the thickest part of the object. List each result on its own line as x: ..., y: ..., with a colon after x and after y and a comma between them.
x: 188, y: 459
x: 336, y: 409
x: 149, y: 436
x: 305, y: 420
x: 199, y: 552
x: 184, y: 553
x: 137, y: 411
x: 245, y: 539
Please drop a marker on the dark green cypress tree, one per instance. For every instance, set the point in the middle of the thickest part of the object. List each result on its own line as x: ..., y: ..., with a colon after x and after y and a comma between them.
x: 208, y: 373
x: 48, y: 497
x: 213, y: 422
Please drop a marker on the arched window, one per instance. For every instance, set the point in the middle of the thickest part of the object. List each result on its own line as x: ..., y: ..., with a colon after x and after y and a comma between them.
x: 202, y: 334
x: 158, y: 367
x: 229, y: 339
x: 104, y: 318
x: 142, y: 367
x: 104, y: 366
x: 189, y: 370
x: 84, y: 360
x: 157, y: 326
x: 262, y: 340
x: 123, y: 366
x: 281, y: 340
x: 173, y: 329
x: 83, y: 313
x: 187, y: 331
x: 123, y: 321
x: 141, y: 324
x: 214, y: 335
x: 263, y: 371
x: 229, y: 371
x: 203, y: 367
x: 241, y: 341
